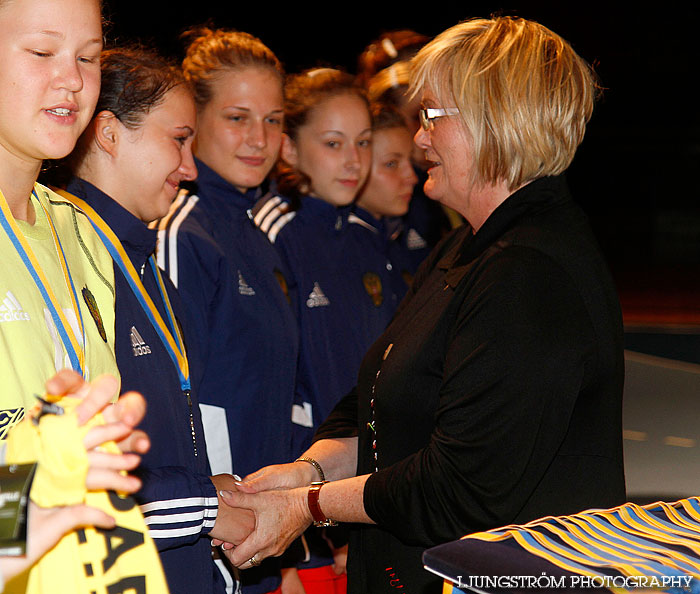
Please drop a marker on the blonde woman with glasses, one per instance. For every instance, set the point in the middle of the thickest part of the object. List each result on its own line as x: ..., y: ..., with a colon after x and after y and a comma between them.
x: 494, y: 397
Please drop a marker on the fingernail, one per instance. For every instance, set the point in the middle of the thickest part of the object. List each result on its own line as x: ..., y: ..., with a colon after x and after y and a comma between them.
x: 226, y: 494
x: 238, y: 478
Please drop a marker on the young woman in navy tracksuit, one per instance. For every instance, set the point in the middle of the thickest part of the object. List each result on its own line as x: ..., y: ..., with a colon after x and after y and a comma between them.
x: 341, y: 300
x: 128, y: 165
x: 326, y: 157
x: 230, y: 278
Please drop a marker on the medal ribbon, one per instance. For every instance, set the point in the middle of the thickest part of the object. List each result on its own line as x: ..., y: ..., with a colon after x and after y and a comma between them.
x: 624, y: 540
x: 76, y: 353
x: 629, y: 538
x: 169, y: 333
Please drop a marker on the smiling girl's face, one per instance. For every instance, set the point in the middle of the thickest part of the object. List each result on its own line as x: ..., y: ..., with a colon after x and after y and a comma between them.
x: 152, y: 159
x: 239, y: 131
x: 334, y: 148
x: 49, y: 76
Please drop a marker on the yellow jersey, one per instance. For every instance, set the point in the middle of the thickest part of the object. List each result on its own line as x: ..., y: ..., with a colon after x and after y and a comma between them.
x: 32, y: 343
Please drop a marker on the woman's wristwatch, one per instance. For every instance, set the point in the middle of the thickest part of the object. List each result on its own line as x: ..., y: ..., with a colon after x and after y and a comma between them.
x: 320, y: 519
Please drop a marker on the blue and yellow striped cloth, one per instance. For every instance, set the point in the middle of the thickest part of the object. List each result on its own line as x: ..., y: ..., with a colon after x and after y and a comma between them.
x: 623, y: 549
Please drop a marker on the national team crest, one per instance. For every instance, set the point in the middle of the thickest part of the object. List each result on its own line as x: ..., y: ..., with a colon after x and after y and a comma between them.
x: 91, y: 303
x: 373, y: 286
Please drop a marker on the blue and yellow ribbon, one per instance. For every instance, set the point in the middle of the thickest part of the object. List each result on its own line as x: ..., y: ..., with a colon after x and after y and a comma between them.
x: 76, y: 351
x: 169, y: 333
x: 656, y: 540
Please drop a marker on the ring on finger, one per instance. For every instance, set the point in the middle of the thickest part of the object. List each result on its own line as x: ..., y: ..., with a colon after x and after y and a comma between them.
x: 254, y: 562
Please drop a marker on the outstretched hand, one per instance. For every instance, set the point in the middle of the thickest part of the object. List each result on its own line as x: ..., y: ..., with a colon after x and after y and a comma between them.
x: 277, y: 495
x: 280, y: 517
x: 233, y: 524
x: 270, y: 478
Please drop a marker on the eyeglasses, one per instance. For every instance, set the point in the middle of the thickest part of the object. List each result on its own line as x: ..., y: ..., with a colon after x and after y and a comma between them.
x: 429, y: 114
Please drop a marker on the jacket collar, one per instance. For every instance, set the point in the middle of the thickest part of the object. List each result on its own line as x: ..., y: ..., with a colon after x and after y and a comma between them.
x: 326, y: 214
x: 216, y: 190
x: 360, y: 216
x: 138, y: 240
x: 537, y: 196
x: 387, y: 227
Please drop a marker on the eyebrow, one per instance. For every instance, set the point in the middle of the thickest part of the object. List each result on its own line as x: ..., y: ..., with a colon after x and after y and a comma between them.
x: 365, y: 131
x: 238, y: 107
x: 59, y: 35
x: 51, y: 33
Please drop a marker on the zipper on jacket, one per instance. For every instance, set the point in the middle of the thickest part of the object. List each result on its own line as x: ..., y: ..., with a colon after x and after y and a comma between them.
x: 188, y: 395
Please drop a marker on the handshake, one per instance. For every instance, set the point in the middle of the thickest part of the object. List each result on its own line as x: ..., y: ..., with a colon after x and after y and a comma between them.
x: 261, y: 515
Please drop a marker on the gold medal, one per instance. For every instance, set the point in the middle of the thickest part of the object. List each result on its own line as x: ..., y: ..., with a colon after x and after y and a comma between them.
x: 91, y: 303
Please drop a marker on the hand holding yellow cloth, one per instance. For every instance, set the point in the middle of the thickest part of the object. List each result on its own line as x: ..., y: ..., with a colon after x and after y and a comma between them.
x: 57, y: 445
x: 123, y: 559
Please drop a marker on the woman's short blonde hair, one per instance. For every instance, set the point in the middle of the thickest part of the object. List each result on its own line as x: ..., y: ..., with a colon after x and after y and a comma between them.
x: 523, y: 94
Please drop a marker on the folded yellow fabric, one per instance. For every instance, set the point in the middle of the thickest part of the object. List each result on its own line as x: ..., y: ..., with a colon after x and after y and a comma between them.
x: 90, y: 560
x: 57, y: 445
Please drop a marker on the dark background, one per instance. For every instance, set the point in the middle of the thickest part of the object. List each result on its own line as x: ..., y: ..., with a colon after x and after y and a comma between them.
x: 635, y: 171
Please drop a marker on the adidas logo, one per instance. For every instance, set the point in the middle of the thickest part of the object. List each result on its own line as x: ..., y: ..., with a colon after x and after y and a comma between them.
x: 11, y: 310
x: 414, y: 241
x: 138, y: 344
x: 317, y: 298
x: 243, y: 287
